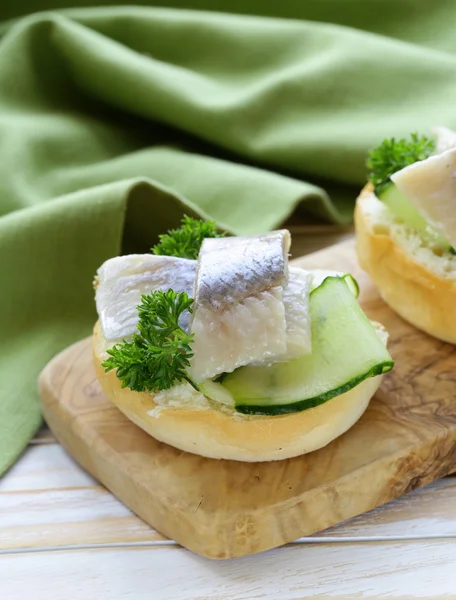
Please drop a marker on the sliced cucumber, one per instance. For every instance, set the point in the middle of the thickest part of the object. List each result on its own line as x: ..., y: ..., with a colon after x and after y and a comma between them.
x: 406, y: 211
x: 216, y: 391
x: 319, y: 275
x: 346, y: 349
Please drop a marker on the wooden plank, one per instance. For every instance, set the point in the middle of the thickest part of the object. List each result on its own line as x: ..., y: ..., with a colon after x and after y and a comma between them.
x: 42, y: 512
x: 405, y: 570
x: 67, y: 517
x: 91, y: 515
x: 45, y: 467
x: 430, y: 511
x: 44, y: 436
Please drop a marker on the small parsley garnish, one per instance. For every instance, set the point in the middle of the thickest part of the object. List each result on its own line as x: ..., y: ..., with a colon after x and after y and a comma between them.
x: 186, y: 241
x: 157, y: 357
x: 393, y: 155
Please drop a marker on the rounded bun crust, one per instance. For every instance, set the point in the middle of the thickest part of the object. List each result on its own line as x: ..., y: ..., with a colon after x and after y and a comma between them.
x: 417, y: 294
x: 222, y: 435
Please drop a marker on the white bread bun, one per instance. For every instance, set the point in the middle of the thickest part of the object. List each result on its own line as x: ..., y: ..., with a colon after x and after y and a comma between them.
x: 416, y: 281
x: 185, y: 419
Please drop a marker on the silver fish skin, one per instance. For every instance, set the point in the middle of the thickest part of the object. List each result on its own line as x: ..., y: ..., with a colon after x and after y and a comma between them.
x: 238, y: 313
x: 121, y: 281
x: 234, y: 268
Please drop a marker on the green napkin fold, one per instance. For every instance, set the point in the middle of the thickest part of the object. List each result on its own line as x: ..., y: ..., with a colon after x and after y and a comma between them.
x: 114, y: 121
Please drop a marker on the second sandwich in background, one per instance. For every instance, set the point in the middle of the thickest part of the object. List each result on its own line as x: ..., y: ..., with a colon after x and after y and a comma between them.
x: 405, y: 222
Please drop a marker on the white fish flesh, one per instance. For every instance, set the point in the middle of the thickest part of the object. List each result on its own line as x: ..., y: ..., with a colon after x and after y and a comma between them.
x: 430, y: 185
x: 121, y: 281
x: 296, y: 296
x: 238, y: 312
x: 445, y: 138
x: 296, y: 302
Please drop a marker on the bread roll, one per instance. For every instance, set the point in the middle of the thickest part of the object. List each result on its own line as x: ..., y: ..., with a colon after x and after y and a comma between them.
x: 186, y: 420
x: 416, y: 280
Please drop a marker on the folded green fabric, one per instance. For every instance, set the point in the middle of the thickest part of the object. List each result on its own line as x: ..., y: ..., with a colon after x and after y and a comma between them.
x: 114, y: 121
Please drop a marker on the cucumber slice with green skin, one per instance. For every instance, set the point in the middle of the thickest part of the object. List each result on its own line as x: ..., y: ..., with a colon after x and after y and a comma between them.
x: 319, y: 275
x: 346, y: 350
x: 352, y: 284
x: 406, y: 211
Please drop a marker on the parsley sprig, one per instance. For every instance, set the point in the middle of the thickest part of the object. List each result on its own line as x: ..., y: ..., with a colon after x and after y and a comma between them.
x: 157, y: 357
x: 186, y: 241
x: 393, y: 155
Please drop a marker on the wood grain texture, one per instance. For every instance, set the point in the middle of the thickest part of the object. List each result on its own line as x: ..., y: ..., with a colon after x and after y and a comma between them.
x: 221, y: 509
x: 336, y: 563
x: 44, y: 436
x: 75, y: 511
x: 68, y: 517
x: 373, y: 570
x: 42, y: 468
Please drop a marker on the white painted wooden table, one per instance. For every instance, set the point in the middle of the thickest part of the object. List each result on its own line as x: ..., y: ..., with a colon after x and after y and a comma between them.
x: 64, y: 537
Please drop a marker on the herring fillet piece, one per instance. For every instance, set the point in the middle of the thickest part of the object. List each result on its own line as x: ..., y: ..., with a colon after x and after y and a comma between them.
x: 238, y: 311
x: 120, y: 282
x: 296, y: 301
x: 430, y: 185
x: 445, y: 138
x: 296, y: 298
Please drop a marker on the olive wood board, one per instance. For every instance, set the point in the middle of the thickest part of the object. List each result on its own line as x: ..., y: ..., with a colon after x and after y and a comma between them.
x: 224, y: 509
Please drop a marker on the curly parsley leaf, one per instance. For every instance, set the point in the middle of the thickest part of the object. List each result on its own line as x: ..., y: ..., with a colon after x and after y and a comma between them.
x: 158, y: 356
x: 186, y: 241
x: 393, y: 155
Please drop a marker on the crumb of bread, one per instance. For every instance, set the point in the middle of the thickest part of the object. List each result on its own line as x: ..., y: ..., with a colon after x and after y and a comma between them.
x: 383, y: 221
x: 181, y: 396
x: 185, y: 396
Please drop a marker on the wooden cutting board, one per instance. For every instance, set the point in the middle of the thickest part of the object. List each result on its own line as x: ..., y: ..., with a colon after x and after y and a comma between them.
x: 224, y: 509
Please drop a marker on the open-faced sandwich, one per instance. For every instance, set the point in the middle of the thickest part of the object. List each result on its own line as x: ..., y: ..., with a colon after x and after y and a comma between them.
x: 405, y: 222
x: 217, y: 346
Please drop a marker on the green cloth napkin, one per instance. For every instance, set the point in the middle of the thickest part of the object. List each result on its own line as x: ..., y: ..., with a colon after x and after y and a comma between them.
x: 116, y: 120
